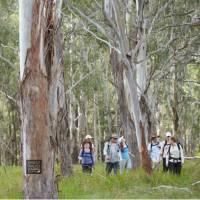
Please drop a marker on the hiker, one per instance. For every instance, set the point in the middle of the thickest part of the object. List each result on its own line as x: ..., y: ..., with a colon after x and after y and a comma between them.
x: 154, y: 152
x: 125, y: 161
x: 112, y: 155
x: 164, y: 150
x: 175, y: 158
x: 89, y: 139
x: 87, y: 157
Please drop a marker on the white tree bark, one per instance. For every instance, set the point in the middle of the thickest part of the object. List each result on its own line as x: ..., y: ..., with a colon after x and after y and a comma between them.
x: 115, y: 19
x: 25, y: 23
x: 96, y: 139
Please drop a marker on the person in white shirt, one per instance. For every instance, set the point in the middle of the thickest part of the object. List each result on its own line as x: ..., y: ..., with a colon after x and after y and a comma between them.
x: 154, y: 152
x: 112, y: 155
x: 175, y: 158
x: 164, y: 150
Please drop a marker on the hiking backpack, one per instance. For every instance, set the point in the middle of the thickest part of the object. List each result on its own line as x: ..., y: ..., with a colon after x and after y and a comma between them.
x: 179, y: 148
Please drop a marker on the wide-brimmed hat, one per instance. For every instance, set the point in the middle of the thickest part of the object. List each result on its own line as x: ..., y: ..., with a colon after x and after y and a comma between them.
x: 115, y: 136
x: 88, y: 137
x: 153, y: 136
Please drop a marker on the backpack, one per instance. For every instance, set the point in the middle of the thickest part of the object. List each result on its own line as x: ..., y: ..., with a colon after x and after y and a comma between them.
x: 164, y: 146
x: 179, y: 148
x: 157, y: 144
x: 108, y: 148
x: 90, y: 143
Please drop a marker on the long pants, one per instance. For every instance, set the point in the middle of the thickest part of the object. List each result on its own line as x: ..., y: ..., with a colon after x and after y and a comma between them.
x: 165, y: 168
x: 125, y: 165
x: 110, y: 166
x: 175, y: 168
x: 155, y: 164
x: 87, y: 168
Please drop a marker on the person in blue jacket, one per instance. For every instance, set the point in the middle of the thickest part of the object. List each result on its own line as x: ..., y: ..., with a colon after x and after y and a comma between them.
x: 125, y: 161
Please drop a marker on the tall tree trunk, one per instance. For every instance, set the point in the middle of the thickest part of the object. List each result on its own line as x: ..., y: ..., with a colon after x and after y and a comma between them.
x: 100, y: 137
x: 37, y: 28
x: 107, y: 104
x: 174, y: 83
x: 127, y: 127
x: 116, y: 21
x: 82, y: 116
x: 59, y: 101
x: 96, y: 139
x: 14, y: 140
x: 147, y: 102
x: 75, y: 133
x: 64, y: 143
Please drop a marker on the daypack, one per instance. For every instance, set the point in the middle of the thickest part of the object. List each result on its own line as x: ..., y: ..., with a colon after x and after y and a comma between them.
x: 90, y: 150
x: 108, y: 148
x: 157, y: 144
x: 164, y: 146
x: 179, y: 148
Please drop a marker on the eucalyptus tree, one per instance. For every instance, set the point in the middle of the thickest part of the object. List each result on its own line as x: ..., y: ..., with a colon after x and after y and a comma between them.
x: 44, y: 110
x: 127, y: 54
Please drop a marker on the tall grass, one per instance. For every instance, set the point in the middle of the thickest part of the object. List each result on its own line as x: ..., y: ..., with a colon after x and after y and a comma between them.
x: 134, y: 184
x: 11, y: 182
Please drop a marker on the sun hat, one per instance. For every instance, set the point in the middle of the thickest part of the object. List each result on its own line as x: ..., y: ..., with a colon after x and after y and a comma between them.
x: 88, y: 137
x: 168, y: 134
x: 115, y: 136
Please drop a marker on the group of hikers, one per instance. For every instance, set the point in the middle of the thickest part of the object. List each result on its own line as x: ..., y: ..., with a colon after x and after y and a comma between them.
x: 117, y: 155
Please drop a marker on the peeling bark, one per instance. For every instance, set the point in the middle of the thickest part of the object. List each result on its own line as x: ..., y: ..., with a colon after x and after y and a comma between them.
x: 127, y: 127
x: 115, y: 18
x: 36, y: 81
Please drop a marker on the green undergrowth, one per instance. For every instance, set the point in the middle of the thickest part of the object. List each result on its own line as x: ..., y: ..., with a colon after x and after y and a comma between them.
x: 135, y: 184
x: 11, y: 182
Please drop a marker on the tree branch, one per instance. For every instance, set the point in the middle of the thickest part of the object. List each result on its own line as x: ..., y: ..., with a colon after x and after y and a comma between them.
x: 7, y: 61
x: 79, y: 81
x: 10, y: 98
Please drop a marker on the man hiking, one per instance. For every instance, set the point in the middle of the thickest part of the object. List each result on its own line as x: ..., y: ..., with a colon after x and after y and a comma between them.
x: 112, y: 155
x: 154, y: 152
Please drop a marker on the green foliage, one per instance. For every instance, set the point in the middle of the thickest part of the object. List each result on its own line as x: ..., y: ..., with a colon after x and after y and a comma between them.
x: 11, y: 183
x: 135, y: 184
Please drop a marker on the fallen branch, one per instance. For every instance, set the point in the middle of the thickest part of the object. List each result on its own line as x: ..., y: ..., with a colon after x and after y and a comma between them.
x: 195, y: 183
x: 192, y: 158
x: 169, y: 187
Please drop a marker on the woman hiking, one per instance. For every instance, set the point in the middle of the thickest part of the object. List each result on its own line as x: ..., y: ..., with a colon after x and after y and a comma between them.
x: 125, y: 162
x: 86, y: 156
x: 175, y: 158
x: 165, y: 149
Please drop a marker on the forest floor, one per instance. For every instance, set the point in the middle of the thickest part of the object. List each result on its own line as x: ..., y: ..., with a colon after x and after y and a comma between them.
x: 135, y: 184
